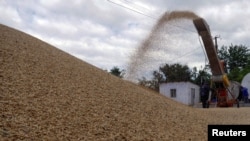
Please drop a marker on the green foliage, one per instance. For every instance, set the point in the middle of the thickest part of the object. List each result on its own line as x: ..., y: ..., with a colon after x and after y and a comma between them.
x: 201, y: 76
x: 236, y: 56
x: 234, y: 74
x: 176, y: 72
x: 168, y: 73
x: 237, y: 60
x: 154, y: 83
x: 117, y: 72
x: 238, y: 74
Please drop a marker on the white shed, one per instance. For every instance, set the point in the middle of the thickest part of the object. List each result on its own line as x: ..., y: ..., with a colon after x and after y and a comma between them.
x: 184, y: 92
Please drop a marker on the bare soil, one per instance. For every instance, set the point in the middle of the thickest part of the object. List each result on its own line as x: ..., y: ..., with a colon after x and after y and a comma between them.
x: 47, y: 94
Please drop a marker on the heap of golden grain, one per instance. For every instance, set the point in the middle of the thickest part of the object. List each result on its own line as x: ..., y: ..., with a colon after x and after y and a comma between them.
x: 47, y: 94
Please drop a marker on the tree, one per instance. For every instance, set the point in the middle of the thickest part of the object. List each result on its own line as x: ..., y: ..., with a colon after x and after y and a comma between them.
x: 236, y: 56
x: 154, y: 83
x: 117, y: 72
x: 202, y: 76
x: 147, y: 83
x: 167, y: 73
x: 176, y: 72
x: 237, y: 60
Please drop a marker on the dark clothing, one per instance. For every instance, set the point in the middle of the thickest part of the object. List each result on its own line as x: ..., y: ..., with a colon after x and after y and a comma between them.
x: 204, y: 101
x: 240, y: 95
x: 244, y: 92
x: 204, y: 91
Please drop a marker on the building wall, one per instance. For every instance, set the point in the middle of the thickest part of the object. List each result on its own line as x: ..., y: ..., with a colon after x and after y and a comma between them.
x: 183, y: 92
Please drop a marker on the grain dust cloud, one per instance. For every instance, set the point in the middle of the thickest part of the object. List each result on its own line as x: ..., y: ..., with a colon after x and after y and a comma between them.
x: 156, y: 44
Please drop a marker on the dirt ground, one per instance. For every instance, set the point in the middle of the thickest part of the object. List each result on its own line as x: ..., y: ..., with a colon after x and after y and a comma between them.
x: 47, y: 94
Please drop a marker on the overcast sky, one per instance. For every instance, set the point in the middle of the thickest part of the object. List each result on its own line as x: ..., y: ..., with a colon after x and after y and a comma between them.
x: 105, y: 33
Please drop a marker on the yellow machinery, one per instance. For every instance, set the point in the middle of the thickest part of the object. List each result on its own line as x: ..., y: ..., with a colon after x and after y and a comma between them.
x: 219, y: 77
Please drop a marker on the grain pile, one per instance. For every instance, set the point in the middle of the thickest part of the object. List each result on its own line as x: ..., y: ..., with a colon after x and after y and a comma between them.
x: 47, y: 94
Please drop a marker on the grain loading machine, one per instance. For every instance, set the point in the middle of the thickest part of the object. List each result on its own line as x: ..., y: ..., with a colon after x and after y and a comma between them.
x: 225, y: 98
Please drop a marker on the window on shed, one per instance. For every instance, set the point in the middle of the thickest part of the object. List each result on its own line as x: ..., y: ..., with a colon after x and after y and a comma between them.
x: 173, y: 93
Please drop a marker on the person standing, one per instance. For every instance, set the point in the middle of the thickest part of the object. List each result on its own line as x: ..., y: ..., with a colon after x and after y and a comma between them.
x: 245, y: 94
x: 204, y: 91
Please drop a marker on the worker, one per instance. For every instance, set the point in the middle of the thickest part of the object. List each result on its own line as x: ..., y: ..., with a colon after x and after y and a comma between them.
x: 204, y: 91
x: 244, y: 92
